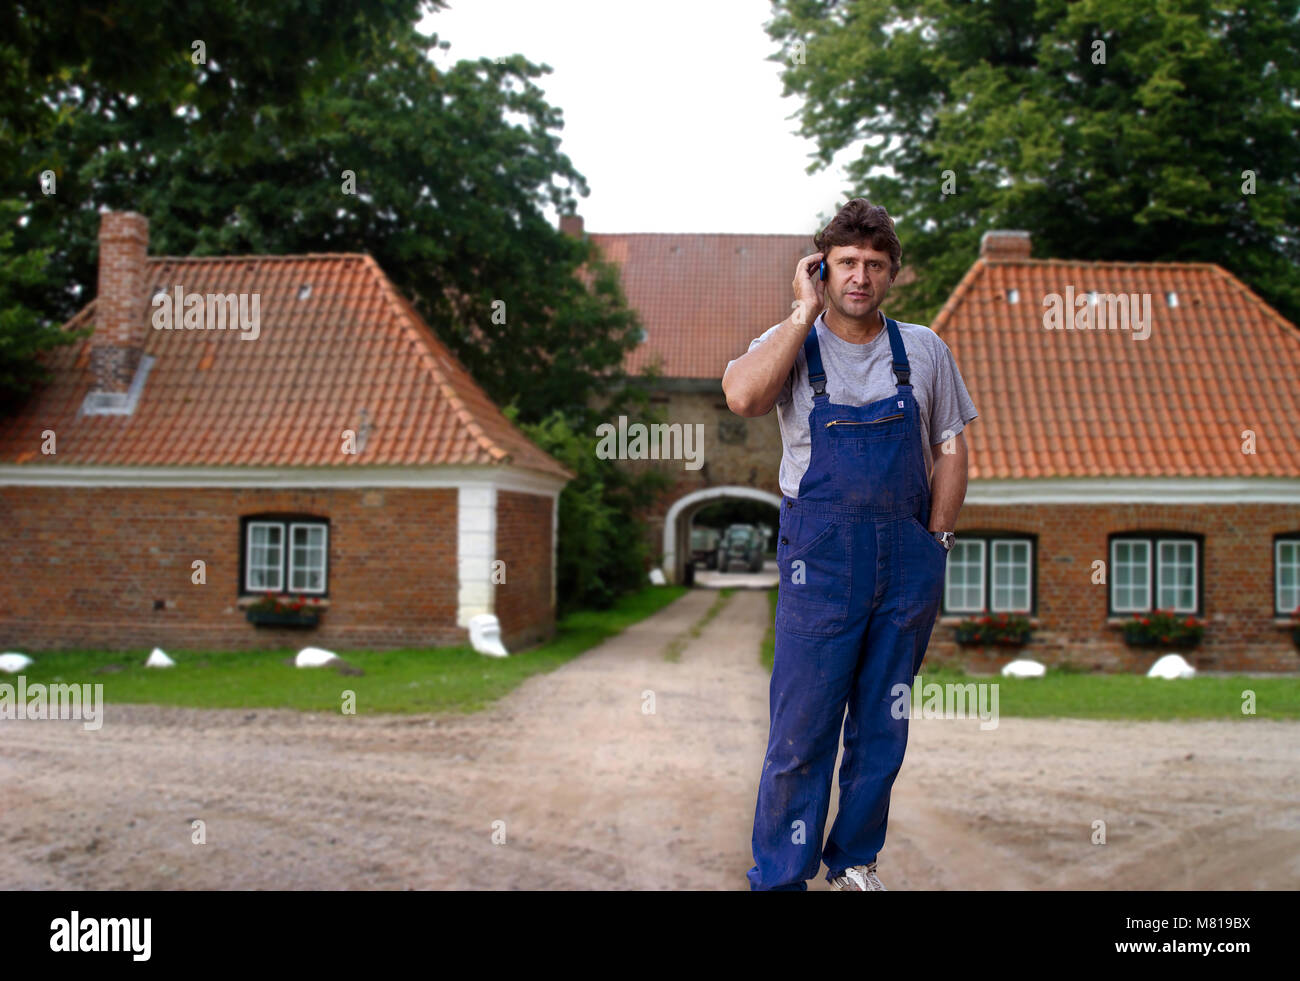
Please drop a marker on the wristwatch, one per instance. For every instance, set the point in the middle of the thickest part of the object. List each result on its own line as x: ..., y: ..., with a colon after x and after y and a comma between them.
x: 945, y: 538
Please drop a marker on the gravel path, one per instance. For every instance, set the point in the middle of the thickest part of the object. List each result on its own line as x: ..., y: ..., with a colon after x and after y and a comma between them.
x: 595, y: 793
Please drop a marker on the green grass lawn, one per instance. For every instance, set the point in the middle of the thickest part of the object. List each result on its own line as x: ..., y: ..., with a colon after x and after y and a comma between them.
x: 439, y: 679
x: 1061, y: 694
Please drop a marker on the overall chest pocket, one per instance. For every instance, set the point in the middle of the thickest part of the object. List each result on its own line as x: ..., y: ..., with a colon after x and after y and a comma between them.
x: 812, y: 558
x: 891, y: 426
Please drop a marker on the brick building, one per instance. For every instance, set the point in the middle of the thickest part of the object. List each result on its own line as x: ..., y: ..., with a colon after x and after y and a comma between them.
x: 328, y: 446
x: 1173, y: 459
x: 702, y: 299
x: 1166, y: 446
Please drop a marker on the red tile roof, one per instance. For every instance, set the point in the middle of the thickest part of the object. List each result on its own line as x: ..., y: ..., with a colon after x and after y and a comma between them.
x: 703, y: 298
x: 284, y: 399
x: 1097, y: 403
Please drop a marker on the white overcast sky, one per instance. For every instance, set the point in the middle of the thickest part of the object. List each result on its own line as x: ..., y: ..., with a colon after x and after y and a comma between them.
x: 671, y: 111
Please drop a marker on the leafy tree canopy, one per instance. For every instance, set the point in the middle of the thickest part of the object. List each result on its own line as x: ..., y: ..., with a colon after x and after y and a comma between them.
x: 1109, y: 129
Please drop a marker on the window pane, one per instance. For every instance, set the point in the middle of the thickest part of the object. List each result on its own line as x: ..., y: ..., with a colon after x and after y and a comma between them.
x: 1130, y: 575
x: 1288, y: 576
x: 1011, y: 568
x: 265, y: 556
x: 964, y: 582
x: 307, y: 558
x: 1176, y: 575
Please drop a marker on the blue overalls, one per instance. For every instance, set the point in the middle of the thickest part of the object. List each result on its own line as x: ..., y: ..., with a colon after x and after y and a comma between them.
x: 861, y: 582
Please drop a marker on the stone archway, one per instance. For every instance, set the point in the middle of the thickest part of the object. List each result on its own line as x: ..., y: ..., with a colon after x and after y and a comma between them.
x: 677, y: 532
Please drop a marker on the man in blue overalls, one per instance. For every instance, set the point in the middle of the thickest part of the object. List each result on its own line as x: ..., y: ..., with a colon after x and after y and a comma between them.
x: 867, y: 408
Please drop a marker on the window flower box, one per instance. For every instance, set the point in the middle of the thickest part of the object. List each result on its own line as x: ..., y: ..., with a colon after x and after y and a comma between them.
x: 1163, y: 628
x: 999, y: 630
x: 284, y: 611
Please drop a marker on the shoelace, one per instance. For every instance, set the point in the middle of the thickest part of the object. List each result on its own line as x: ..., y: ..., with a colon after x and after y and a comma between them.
x: 865, y: 878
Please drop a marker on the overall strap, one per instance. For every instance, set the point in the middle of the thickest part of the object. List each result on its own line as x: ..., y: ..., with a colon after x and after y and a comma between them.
x: 812, y: 352
x: 901, y: 367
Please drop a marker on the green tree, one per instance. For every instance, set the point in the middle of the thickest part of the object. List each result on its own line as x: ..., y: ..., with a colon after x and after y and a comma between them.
x: 78, y: 66
x: 603, y: 549
x: 1109, y: 129
x: 451, y: 171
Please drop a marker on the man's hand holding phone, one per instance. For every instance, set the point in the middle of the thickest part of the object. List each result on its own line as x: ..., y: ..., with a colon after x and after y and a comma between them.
x: 809, y: 291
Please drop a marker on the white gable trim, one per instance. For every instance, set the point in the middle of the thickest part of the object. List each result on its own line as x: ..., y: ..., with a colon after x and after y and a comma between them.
x: 1133, y: 490
x: 502, y: 478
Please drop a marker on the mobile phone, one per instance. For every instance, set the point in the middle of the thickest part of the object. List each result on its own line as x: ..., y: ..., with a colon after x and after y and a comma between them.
x: 821, y: 269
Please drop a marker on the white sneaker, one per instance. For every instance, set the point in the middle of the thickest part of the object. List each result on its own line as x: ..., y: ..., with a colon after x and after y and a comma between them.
x: 858, y: 878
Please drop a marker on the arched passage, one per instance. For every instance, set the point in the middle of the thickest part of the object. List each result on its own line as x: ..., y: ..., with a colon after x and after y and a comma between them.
x: 677, y: 532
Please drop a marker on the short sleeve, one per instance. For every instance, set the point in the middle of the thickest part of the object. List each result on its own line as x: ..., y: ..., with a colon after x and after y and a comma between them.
x: 787, y: 386
x: 951, y: 407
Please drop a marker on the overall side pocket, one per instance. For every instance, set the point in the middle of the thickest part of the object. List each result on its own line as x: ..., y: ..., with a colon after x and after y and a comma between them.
x: 815, y: 578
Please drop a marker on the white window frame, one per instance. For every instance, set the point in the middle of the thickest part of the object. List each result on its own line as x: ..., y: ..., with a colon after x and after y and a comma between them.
x: 325, y: 556
x: 1029, y: 545
x: 1196, y: 585
x: 1152, y: 544
x: 979, y: 607
x: 1114, y: 583
x: 286, y: 527
x: 248, y: 557
x: 1279, y: 608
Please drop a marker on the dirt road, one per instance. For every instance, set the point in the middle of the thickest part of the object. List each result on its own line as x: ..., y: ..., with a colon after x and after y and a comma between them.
x: 595, y: 793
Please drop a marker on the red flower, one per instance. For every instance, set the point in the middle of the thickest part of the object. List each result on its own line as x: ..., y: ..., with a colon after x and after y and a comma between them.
x: 1144, y: 621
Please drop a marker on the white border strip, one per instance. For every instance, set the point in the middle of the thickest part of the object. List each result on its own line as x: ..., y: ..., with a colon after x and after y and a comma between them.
x: 1126, y: 490
x: 504, y: 478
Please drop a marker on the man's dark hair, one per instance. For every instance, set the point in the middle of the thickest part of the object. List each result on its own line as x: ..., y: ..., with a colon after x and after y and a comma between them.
x: 860, y: 222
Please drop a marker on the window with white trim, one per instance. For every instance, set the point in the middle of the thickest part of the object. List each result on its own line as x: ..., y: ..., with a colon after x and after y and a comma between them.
x: 1156, y: 571
x: 307, y: 557
x: 989, y: 572
x: 963, y: 590
x: 285, y: 555
x: 265, y: 568
x: 1286, y: 574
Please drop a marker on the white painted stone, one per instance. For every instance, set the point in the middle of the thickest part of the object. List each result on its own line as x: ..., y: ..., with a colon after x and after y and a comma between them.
x: 1171, y: 666
x: 1023, y: 668
x: 12, y: 662
x: 657, y: 577
x: 159, y: 659
x: 314, y: 657
x: 476, y: 535
x: 485, y: 635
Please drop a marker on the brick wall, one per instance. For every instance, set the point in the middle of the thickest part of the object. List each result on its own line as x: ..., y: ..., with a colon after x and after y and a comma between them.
x: 1237, y: 590
x: 1236, y: 563
x: 523, y: 601
x: 84, y: 566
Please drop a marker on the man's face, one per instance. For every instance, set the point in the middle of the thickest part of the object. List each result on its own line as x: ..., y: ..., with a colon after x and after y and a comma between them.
x: 857, y: 279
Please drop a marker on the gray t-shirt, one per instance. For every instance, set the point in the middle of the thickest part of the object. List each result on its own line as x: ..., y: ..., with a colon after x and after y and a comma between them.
x: 857, y: 374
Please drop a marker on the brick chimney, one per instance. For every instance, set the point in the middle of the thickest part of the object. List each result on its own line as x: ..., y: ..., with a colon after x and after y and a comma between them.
x: 571, y: 225
x: 118, y: 341
x: 1004, y: 245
